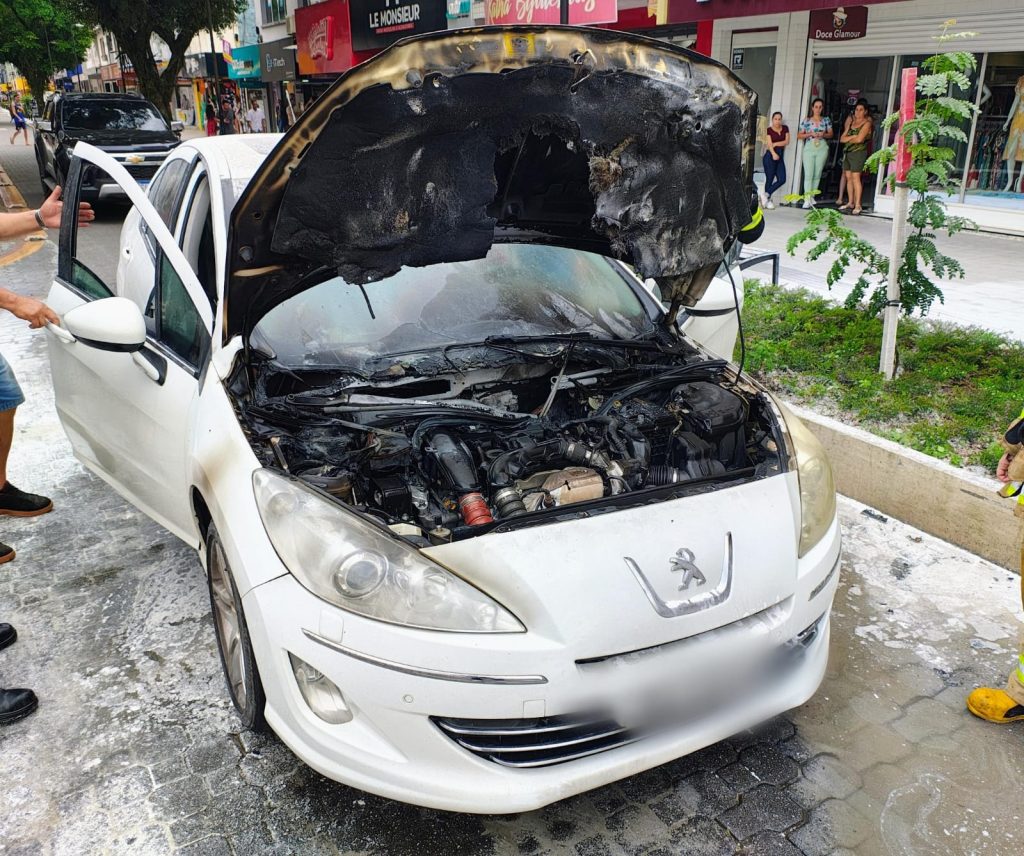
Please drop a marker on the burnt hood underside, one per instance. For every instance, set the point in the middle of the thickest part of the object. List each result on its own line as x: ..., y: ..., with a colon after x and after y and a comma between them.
x: 589, y: 139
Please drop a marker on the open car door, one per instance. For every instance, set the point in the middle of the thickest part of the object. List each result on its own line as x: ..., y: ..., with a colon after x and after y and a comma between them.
x: 128, y: 414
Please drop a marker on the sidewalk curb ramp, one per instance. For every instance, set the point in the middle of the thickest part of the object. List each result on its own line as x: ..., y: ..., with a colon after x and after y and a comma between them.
x: 938, y: 498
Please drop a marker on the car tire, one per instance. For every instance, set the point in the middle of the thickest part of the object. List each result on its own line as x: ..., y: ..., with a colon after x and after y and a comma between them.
x: 233, y: 642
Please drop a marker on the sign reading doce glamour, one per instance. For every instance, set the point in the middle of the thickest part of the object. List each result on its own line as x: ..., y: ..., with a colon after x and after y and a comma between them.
x: 549, y: 11
x: 840, y: 24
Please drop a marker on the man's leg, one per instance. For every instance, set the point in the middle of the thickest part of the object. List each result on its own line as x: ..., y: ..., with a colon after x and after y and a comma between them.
x: 13, y: 502
x: 6, y: 437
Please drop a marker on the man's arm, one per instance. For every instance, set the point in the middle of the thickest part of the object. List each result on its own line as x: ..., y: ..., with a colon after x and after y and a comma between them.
x: 20, y: 223
x: 28, y: 309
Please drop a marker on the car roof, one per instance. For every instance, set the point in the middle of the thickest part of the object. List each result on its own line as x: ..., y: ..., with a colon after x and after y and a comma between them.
x: 238, y: 155
x: 102, y: 96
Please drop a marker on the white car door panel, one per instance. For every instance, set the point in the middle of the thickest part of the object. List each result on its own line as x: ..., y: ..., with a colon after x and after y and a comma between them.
x: 128, y: 416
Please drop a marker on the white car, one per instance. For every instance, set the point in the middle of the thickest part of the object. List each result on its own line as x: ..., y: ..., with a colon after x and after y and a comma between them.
x: 482, y: 527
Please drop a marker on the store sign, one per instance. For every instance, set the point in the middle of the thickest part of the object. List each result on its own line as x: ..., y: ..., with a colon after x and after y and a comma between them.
x: 323, y: 38
x: 841, y: 24
x: 549, y: 11
x: 277, y: 60
x: 456, y: 9
x: 378, y: 23
x: 245, y: 63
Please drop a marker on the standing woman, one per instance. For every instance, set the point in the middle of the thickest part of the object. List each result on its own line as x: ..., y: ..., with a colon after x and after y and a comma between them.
x: 814, y: 130
x: 855, y: 139
x: 211, y: 117
x: 776, y: 138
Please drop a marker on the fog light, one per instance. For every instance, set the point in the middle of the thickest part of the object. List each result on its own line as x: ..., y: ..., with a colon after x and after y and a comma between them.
x: 321, y: 694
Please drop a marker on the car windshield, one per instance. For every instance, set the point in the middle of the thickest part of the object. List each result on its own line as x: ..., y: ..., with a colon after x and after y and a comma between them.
x: 112, y: 116
x: 517, y: 290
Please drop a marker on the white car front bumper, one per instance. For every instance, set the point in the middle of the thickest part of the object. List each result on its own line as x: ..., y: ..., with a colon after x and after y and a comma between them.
x: 395, y: 747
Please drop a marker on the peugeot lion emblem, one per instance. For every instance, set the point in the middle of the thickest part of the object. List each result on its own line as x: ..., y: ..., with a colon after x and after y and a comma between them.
x: 684, y: 562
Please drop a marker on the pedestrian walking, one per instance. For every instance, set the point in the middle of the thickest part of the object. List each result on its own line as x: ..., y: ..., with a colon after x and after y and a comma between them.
x: 255, y: 118
x: 814, y: 130
x: 210, y: 110
x: 282, y: 117
x: 228, y: 117
x: 20, y: 121
x: 1007, y: 704
x: 856, y: 134
x: 18, y: 703
x: 776, y: 138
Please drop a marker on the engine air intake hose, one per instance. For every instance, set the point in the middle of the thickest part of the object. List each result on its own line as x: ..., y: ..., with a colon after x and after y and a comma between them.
x: 454, y: 462
x: 503, y: 469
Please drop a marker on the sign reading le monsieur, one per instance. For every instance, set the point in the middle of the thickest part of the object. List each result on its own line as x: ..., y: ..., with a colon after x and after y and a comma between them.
x: 378, y: 23
x: 840, y: 24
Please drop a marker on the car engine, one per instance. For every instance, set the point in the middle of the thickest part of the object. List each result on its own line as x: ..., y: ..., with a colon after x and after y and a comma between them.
x: 449, y: 457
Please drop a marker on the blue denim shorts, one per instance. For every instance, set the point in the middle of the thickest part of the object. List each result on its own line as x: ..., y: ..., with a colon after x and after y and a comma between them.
x: 10, y: 392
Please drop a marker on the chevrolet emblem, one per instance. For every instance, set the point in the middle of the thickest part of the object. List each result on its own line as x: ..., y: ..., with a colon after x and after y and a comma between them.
x: 134, y: 159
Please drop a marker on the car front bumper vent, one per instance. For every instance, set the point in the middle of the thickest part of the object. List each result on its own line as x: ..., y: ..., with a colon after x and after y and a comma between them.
x: 536, y: 742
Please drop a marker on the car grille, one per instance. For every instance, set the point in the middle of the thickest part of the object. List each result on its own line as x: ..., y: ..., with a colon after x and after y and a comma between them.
x: 142, y: 171
x: 549, y: 740
x: 536, y: 742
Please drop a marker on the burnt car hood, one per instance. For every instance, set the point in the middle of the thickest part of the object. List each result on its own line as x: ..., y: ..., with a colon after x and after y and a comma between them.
x: 443, y: 144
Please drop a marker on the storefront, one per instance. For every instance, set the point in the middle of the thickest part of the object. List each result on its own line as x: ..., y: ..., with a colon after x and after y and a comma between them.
x: 801, y: 49
x: 277, y: 68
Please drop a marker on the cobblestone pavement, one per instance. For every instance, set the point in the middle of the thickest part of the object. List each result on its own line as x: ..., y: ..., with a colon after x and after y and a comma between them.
x: 135, y: 748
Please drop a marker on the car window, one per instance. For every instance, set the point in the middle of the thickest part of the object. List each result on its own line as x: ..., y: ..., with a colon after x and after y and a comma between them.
x: 87, y: 282
x: 112, y: 115
x: 517, y: 289
x: 165, y: 193
x: 181, y: 329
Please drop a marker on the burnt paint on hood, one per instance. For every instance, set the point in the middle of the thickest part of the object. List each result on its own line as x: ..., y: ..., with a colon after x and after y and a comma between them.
x: 430, y: 152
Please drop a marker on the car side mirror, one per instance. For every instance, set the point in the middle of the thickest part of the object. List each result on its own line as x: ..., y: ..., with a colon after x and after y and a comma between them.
x: 44, y: 125
x: 177, y: 126
x: 109, y: 324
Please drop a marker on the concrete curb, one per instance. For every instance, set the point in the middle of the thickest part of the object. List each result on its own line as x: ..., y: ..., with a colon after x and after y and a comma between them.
x: 10, y: 196
x: 940, y: 499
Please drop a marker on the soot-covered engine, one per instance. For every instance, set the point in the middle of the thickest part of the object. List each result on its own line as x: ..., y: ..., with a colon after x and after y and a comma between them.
x: 445, y: 468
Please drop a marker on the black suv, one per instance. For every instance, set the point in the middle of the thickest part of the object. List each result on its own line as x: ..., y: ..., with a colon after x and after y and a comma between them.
x: 127, y: 126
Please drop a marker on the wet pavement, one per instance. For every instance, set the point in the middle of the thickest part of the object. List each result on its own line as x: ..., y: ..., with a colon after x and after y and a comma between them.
x: 136, y: 749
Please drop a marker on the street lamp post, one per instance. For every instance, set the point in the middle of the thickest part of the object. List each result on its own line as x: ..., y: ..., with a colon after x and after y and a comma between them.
x: 564, y: 12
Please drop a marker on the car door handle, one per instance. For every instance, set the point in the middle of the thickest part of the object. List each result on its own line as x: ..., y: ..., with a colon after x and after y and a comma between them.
x: 153, y: 365
x: 60, y: 333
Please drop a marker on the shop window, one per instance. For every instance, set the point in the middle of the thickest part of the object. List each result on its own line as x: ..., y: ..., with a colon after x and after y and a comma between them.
x: 959, y: 147
x: 997, y: 154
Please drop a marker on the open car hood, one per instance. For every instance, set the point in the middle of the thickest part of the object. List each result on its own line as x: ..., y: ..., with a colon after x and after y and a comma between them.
x: 443, y: 144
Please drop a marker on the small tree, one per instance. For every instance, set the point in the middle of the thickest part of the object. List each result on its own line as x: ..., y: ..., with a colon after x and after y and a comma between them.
x: 939, y: 117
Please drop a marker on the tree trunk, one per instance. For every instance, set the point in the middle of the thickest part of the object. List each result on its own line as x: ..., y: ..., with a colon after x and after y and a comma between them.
x: 158, y: 88
x: 37, y: 86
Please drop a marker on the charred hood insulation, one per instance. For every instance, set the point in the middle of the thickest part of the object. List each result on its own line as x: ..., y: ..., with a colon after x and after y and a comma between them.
x: 590, y: 139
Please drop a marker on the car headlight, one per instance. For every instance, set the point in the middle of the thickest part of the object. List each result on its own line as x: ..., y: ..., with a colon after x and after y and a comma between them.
x: 353, y: 564
x: 817, y: 486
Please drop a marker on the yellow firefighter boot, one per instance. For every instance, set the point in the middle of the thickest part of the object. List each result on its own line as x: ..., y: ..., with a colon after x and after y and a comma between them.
x: 994, y: 705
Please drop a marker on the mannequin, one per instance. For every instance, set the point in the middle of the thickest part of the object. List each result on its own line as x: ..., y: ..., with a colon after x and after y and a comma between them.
x: 817, y: 85
x: 1013, y: 154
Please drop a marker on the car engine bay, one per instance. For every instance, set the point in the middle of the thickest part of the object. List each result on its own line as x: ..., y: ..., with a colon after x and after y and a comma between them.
x: 450, y: 455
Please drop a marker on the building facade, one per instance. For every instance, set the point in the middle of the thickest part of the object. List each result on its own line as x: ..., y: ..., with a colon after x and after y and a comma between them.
x: 795, y: 51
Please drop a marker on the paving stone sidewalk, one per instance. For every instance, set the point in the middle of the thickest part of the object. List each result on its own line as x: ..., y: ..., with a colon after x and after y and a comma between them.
x: 135, y: 748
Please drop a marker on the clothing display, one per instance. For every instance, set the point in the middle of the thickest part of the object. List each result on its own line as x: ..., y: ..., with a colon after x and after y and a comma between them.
x: 1015, y: 140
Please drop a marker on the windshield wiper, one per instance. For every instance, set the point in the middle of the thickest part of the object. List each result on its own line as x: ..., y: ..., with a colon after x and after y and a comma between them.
x: 579, y: 336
